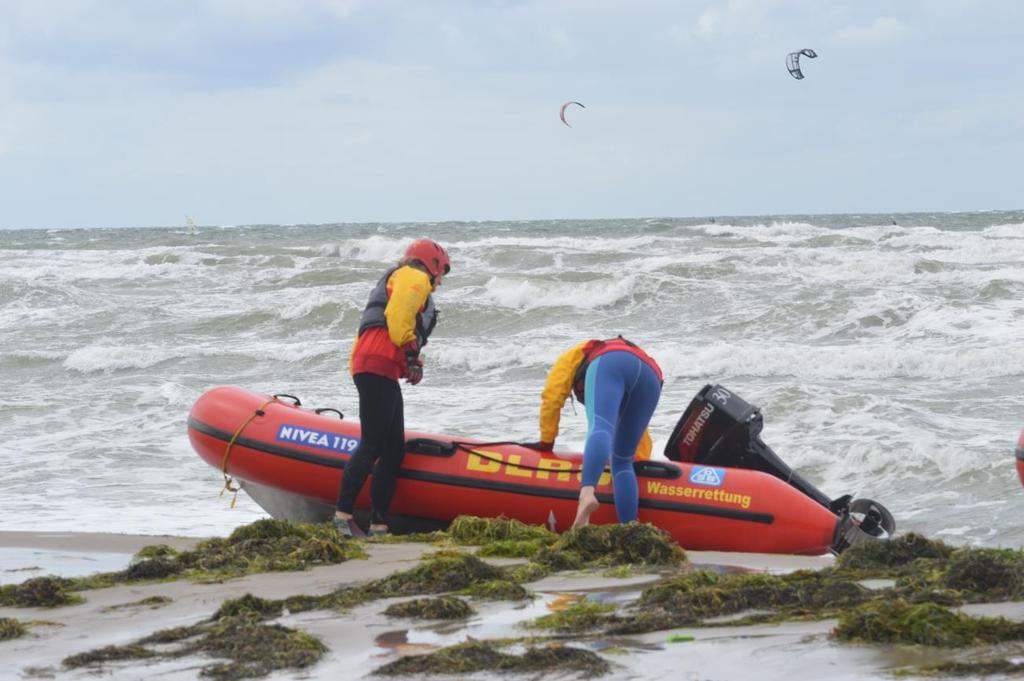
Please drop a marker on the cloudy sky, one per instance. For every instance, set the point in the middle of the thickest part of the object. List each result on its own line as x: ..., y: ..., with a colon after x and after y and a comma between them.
x: 134, y: 113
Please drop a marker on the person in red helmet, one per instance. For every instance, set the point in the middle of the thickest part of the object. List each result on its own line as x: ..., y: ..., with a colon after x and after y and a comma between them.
x: 396, y: 323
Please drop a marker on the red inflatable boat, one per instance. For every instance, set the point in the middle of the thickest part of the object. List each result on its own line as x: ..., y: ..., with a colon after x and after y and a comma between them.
x: 290, y: 460
x: 1020, y: 457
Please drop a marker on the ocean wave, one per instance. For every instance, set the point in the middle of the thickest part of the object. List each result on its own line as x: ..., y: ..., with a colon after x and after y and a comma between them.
x: 530, y: 295
x: 1013, y: 230
x: 373, y: 248
x: 107, y: 358
x: 863, y: 361
x: 886, y: 357
x: 780, y: 232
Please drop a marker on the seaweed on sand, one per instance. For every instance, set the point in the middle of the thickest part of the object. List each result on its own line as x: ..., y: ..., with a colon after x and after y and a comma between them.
x: 269, y: 546
x: 236, y: 633
x: 442, y: 572
x: 585, y: 615
x: 439, y: 608
x: 108, y: 654
x: 897, y: 621
x: 887, y: 557
x: 690, y: 598
x: 263, y: 546
x: 501, y: 536
x: 151, y: 602
x: 497, y: 590
x: 255, y: 648
x: 986, y: 574
x: 481, y: 656
x: 966, y: 575
x: 974, y: 669
x: 528, y: 572
x: 607, y: 545
x: 477, y: 531
x: 249, y: 605
x: 11, y: 628
x: 39, y: 592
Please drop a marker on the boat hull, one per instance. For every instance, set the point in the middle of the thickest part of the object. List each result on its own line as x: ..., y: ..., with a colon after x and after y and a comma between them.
x: 1020, y: 457
x: 291, y: 460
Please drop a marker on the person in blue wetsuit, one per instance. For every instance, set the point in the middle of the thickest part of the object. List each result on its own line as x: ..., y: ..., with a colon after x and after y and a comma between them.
x: 620, y: 385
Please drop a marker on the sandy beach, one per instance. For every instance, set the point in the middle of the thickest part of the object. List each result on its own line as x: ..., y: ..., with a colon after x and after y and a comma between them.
x: 363, y: 639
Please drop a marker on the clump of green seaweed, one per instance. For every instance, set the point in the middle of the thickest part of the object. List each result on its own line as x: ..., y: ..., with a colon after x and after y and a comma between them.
x: 887, y: 557
x: 439, y: 608
x: 151, y: 602
x: 501, y: 536
x: 986, y: 574
x: 99, y: 656
x: 254, y: 648
x: 608, y: 545
x: 481, y: 656
x: 688, y: 599
x: 40, y: 592
x: 263, y: 546
x: 11, y: 628
x: 250, y: 606
x: 236, y: 633
x: 442, y: 572
x: 271, y: 546
x: 897, y: 621
x: 974, y: 669
x: 586, y: 615
x: 497, y: 590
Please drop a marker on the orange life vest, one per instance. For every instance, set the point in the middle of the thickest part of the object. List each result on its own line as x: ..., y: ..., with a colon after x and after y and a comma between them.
x: 595, y: 348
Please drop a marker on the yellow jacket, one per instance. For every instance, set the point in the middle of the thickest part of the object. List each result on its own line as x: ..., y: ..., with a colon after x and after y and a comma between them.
x: 557, y: 390
x: 380, y: 350
x: 409, y: 288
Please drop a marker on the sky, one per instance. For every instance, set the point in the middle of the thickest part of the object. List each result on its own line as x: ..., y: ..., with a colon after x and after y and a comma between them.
x: 117, y: 113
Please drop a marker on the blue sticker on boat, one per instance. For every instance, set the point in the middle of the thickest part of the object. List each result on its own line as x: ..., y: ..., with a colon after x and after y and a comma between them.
x: 707, y: 475
x: 316, y: 438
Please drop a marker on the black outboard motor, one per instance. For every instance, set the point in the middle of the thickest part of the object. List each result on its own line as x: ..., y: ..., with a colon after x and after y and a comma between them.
x: 719, y: 428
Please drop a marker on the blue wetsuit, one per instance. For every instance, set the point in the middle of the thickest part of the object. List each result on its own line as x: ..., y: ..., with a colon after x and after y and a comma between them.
x: 621, y: 392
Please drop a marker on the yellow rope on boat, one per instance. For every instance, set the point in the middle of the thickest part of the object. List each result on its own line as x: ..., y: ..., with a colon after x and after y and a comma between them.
x: 228, y: 480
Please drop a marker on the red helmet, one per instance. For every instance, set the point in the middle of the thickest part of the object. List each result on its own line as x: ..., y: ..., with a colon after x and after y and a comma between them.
x: 430, y: 253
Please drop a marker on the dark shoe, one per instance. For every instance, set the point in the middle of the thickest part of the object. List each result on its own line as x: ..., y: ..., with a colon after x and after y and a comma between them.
x: 379, y: 533
x: 348, y: 528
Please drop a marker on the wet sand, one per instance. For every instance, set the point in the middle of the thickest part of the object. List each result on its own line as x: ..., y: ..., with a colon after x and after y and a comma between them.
x: 24, y: 555
x: 363, y: 639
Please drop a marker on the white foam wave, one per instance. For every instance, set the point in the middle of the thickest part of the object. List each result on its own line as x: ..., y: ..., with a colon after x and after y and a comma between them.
x: 569, y: 244
x: 307, y: 303
x: 839, y: 362
x: 528, y: 295
x: 483, y: 355
x: 371, y: 249
x: 780, y: 232
x: 1007, y: 231
x: 106, y: 358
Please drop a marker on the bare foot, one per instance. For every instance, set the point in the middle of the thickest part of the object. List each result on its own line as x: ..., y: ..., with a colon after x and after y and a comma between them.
x: 588, y: 504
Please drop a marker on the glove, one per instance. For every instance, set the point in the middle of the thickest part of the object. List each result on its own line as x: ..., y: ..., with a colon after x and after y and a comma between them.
x: 539, y: 446
x: 413, y: 367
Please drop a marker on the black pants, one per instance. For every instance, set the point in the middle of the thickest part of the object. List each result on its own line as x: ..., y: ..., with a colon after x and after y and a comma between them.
x: 382, y: 442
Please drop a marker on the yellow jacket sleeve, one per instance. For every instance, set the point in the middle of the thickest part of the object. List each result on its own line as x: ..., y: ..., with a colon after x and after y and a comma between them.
x: 409, y: 290
x: 643, y: 450
x: 556, y: 390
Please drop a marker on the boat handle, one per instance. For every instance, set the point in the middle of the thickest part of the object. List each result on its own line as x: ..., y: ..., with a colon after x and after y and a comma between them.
x: 321, y: 410
x: 292, y: 397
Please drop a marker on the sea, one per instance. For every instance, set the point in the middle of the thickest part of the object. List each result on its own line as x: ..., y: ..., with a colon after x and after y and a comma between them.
x: 886, y: 352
